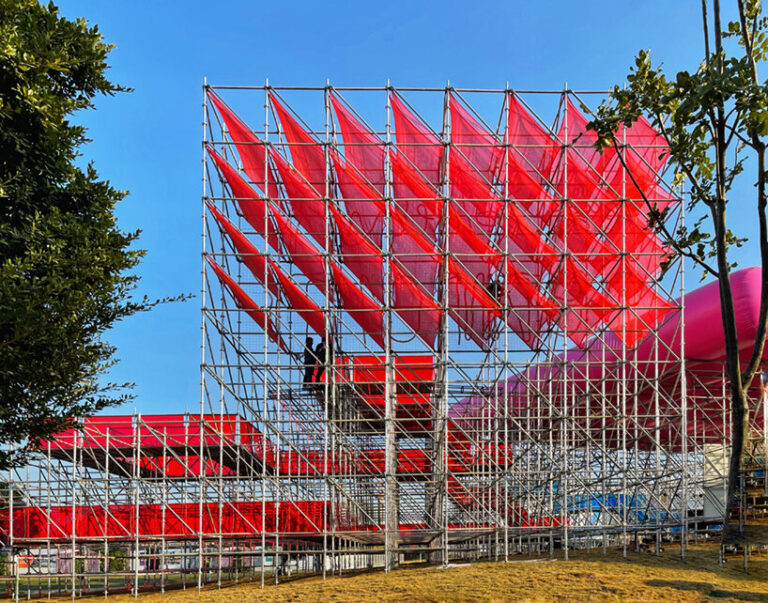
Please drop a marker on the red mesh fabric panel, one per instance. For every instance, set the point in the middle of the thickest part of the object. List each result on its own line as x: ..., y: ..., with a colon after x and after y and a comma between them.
x: 300, y: 301
x: 246, y: 303
x: 361, y: 256
x: 473, y: 193
x: 415, y: 196
x: 412, y: 303
x: 362, y: 148
x: 530, y: 312
x: 476, y: 143
x: 305, y: 255
x: 473, y: 251
x: 530, y: 253
x: 587, y: 307
x: 249, y: 147
x: 645, y: 156
x: 414, y: 251
x: 363, y: 202
x: 598, y: 210
x: 426, y: 208
x: 308, y: 156
x: 247, y: 252
x: 469, y: 242
x: 306, y: 203
x: 252, y: 206
x: 473, y: 309
x: 532, y: 145
x: 622, y: 223
x: 418, y: 309
x: 363, y: 310
x: 416, y: 141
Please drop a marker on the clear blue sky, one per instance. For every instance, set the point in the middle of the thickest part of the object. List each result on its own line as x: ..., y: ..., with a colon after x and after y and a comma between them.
x: 149, y: 141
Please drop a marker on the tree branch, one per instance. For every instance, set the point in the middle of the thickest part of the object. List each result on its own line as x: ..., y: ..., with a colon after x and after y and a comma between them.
x: 661, y: 226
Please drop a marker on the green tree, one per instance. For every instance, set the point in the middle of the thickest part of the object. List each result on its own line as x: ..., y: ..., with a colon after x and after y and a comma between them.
x: 715, y: 121
x: 65, y: 266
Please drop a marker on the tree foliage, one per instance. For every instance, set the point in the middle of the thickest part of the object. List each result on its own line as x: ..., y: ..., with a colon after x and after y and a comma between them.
x: 65, y: 266
x: 715, y: 121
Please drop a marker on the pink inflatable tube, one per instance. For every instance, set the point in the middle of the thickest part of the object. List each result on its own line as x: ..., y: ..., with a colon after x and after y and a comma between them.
x: 599, y: 367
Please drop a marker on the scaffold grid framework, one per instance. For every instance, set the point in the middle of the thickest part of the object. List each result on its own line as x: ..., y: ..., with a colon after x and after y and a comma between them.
x: 435, y: 323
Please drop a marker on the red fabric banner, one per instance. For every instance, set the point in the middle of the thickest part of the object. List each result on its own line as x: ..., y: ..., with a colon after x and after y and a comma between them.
x: 246, y: 303
x: 252, y: 206
x: 473, y: 309
x: 415, y: 196
x: 531, y: 145
x: 247, y: 252
x: 303, y: 253
x: 480, y: 148
x: 362, y: 257
x: 307, y: 154
x: 362, y: 201
x: 417, y: 309
x: 249, y: 147
x: 416, y: 141
x: 300, y: 301
x: 363, y: 310
x: 306, y: 203
x: 362, y: 148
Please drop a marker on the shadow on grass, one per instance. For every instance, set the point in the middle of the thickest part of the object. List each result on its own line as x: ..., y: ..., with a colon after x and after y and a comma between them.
x: 696, y: 560
x: 706, y: 589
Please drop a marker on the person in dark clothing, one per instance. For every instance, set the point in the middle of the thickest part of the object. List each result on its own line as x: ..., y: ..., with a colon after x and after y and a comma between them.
x: 309, y: 362
x: 494, y: 290
x: 320, y: 355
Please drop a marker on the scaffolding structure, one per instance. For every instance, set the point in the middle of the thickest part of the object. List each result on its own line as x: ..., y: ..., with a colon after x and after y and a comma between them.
x: 497, y: 364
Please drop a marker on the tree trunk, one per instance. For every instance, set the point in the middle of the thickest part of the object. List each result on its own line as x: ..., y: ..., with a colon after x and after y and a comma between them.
x: 740, y: 433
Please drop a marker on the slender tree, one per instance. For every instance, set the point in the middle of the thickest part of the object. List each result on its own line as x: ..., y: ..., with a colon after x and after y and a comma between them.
x: 65, y: 266
x: 715, y: 121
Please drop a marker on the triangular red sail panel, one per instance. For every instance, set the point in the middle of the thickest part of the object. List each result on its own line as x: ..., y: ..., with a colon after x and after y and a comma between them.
x: 361, y: 256
x: 586, y: 307
x: 474, y: 211
x: 363, y: 202
x: 646, y: 152
x: 416, y: 141
x: 583, y: 240
x: 305, y: 255
x: 620, y: 221
x: 362, y: 148
x: 531, y: 145
x: 246, y: 303
x: 414, y: 251
x: 476, y: 143
x: 530, y: 313
x: 533, y: 255
x: 366, y: 261
x: 249, y: 147
x: 252, y: 206
x: 365, y: 311
x: 414, y: 306
x: 473, y: 309
x: 415, y: 196
x: 306, y: 203
x: 300, y: 301
x: 308, y: 156
x: 247, y: 252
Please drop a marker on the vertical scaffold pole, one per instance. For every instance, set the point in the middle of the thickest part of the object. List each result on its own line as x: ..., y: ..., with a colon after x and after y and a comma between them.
x: 391, y: 502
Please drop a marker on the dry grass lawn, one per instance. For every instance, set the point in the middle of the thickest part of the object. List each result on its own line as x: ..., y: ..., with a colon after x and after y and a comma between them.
x: 585, y: 577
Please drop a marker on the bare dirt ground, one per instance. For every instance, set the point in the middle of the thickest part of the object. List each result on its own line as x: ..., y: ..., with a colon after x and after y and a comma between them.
x: 585, y: 577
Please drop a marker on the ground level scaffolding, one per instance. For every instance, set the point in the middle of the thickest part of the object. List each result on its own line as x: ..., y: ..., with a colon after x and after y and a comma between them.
x: 435, y: 326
